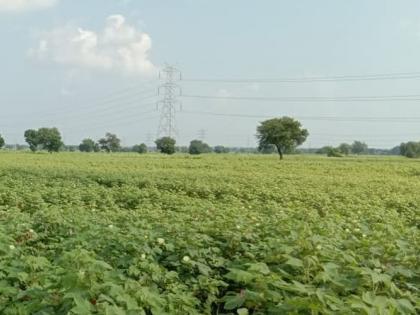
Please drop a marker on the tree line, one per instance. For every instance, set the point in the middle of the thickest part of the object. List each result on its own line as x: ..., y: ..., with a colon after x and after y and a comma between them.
x: 49, y: 139
x: 357, y: 147
x: 282, y: 135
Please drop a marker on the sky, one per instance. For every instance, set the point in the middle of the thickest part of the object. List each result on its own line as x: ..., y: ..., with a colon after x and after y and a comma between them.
x: 91, y: 67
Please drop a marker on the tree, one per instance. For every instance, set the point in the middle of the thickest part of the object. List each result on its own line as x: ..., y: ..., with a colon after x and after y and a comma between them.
x: 221, y: 149
x: 166, y: 145
x: 396, y: 150
x: 31, y: 138
x: 198, y: 147
x: 2, y: 142
x: 110, y: 143
x: 44, y: 138
x: 359, y: 147
x: 88, y: 145
x: 284, y: 133
x: 50, y: 139
x: 140, y: 148
x: 410, y: 149
x: 329, y: 151
x: 334, y: 152
x: 345, y: 148
x: 324, y: 150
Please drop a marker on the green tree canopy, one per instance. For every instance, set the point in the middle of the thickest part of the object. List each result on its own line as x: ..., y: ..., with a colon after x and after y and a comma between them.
x: 324, y: 150
x: 2, y: 142
x: 88, y: 145
x: 334, y: 152
x: 345, y: 148
x: 31, y: 138
x: 166, y: 145
x: 198, y: 147
x: 140, y: 148
x: 359, y: 147
x: 221, y: 149
x: 44, y: 139
x: 410, y: 149
x: 284, y: 133
x: 110, y: 143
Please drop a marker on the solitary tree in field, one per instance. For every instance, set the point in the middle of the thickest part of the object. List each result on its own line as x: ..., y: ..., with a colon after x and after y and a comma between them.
x: 111, y: 143
x: 284, y: 133
x: 2, y: 142
x: 44, y: 138
x: 166, y: 145
x: 198, y: 147
x: 88, y: 145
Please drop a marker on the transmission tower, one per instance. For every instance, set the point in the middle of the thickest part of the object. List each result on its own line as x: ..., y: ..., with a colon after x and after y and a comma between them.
x: 169, y: 105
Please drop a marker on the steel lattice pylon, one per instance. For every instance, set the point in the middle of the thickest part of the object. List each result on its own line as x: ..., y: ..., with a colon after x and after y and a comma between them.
x: 169, y: 105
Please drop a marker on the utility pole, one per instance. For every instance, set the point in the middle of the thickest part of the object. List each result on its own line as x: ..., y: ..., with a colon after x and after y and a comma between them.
x: 168, y: 105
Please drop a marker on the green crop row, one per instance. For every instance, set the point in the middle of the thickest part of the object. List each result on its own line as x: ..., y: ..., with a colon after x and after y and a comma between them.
x: 129, y: 234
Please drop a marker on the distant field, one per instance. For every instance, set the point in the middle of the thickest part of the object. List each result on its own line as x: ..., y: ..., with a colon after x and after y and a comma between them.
x: 215, y: 234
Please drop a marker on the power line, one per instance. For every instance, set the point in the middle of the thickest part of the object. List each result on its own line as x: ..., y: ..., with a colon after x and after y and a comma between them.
x: 122, y: 121
x: 322, y: 135
x: 129, y: 88
x: 338, y: 78
x: 320, y: 118
x: 312, y: 99
x: 116, y: 122
x: 93, y: 114
x: 376, y: 136
x: 94, y: 110
x: 115, y: 106
x: 139, y: 95
x: 115, y: 117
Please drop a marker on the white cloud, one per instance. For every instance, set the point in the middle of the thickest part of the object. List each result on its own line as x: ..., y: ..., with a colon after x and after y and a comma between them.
x: 118, y: 47
x: 21, y: 5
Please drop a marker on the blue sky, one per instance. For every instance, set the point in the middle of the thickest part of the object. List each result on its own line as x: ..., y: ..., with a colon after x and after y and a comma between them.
x: 88, y: 67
